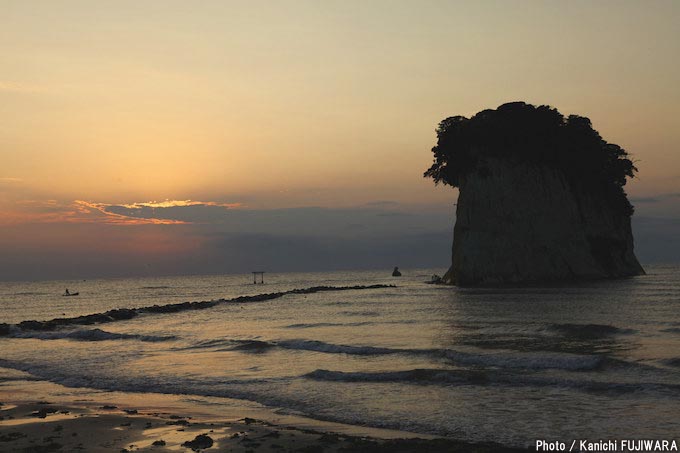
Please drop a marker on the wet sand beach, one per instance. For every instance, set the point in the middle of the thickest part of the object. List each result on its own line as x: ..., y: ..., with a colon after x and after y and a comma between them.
x: 116, y: 422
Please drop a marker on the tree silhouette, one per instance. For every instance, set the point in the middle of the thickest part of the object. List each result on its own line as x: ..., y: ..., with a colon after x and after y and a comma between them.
x: 540, y: 135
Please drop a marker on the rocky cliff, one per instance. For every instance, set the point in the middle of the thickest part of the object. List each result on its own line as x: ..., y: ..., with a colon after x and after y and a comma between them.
x: 534, y: 215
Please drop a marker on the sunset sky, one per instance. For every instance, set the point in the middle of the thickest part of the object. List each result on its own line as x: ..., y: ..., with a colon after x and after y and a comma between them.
x: 162, y: 137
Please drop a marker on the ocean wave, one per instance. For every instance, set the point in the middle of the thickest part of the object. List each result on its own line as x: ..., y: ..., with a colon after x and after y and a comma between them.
x: 272, y: 393
x: 561, y: 361
x: 320, y: 346
x: 675, y: 362
x: 87, y: 335
x: 298, y: 345
x: 251, y: 345
x: 366, y: 313
x: 345, y: 324
x: 672, y: 330
x: 418, y: 375
x: 532, y: 361
x: 589, y: 330
x: 438, y: 376
x: 327, y: 324
x: 207, y: 344
x: 569, y: 362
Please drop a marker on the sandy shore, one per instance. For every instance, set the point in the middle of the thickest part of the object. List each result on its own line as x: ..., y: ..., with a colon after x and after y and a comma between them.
x: 36, y: 416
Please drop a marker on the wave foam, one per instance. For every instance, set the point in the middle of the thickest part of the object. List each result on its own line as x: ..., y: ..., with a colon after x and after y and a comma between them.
x: 569, y: 362
x: 418, y: 375
x: 589, y: 330
x: 476, y: 377
x: 532, y: 361
x: 87, y: 335
x: 672, y: 330
x: 320, y: 346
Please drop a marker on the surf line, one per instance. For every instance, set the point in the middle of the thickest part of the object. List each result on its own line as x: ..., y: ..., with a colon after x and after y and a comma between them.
x: 121, y: 314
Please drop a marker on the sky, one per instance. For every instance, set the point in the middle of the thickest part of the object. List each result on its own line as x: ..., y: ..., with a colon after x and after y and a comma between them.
x: 174, y: 137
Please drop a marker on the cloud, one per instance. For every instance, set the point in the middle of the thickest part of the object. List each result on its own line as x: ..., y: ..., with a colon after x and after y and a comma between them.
x: 382, y: 203
x: 178, y: 203
x: 16, y: 87
x: 278, y: 253
x: 82, y: 239
x: 54, y: 239
x: 168, y: 212
x: 234, y: 218
x: 79, y: 211
x: 154, y: 212
x: 10, y: 184
x: 99, y: 212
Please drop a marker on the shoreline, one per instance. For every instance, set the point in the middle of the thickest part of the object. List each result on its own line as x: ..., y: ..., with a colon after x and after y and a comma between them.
x: 40, y: 416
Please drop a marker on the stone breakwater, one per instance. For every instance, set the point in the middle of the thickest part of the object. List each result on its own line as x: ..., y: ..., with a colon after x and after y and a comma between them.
x: 121, y: 314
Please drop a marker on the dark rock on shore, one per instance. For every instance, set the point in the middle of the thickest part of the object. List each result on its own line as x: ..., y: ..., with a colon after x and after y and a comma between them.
x: 43, y: 413
x: 200, y: 442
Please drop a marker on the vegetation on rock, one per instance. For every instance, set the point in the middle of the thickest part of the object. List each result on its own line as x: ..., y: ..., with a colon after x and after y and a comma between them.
x: 537, y: 135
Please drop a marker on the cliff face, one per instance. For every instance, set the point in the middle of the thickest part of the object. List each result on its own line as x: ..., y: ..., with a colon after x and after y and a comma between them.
x: 525, y: 222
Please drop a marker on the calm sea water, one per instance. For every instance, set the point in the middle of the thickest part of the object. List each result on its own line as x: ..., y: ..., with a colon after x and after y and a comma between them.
x: 597, y: 360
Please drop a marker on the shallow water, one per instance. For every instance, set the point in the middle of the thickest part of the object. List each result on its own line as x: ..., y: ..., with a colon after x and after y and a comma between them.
x: 599, y: 360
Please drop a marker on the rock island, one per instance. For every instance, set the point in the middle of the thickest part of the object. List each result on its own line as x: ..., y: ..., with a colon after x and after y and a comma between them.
x: 541, y: 198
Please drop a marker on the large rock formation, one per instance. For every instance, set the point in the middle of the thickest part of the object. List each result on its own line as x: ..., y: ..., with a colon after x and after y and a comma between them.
x: 541, y: 198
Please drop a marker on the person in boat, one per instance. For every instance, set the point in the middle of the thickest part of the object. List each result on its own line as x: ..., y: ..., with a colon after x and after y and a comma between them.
x: 395, y: 272
x: 67, y: 292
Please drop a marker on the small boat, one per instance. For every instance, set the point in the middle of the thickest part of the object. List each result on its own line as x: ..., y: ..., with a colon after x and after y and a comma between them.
x: 70, y: 294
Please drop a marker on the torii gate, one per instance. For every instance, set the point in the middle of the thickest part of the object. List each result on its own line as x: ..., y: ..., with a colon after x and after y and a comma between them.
x: 255, y: 274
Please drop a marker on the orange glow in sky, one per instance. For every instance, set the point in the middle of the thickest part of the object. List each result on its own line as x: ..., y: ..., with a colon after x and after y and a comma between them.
x: 274, y: 105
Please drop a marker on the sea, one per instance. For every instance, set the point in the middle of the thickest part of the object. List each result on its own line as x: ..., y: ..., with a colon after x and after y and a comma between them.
x: 595, y: 360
